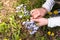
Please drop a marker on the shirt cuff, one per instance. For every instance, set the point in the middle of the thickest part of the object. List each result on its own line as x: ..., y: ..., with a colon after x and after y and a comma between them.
x: 53, y: 22
x: 48, y: 5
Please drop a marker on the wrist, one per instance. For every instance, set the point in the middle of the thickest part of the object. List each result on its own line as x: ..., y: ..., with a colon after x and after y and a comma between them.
x: 46, y: 21
x: 44, y: 9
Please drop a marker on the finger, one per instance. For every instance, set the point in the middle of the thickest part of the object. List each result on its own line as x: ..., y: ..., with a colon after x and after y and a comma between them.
x: 31, y: 12
x: 31, y: 18
x: 36, y: 15
x: 36, y: 20
x: 39, y: 17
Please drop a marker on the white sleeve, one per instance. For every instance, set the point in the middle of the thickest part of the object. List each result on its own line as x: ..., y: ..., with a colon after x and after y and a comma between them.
x: 48, y: 5
x: 54, y: 21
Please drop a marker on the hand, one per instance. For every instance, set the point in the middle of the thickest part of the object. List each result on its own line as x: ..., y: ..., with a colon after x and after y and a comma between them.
x: 40, y: 12
x: 41, y: 21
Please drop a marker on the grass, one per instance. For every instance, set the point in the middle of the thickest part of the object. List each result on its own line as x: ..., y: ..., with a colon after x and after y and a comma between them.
x: 11, y: 27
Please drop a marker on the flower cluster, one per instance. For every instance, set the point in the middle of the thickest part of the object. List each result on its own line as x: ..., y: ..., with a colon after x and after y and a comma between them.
x: 22, y: 8
x: 30, y: 25
x: 50, y: 33
x: 18, y: 9
x: 54, y: 13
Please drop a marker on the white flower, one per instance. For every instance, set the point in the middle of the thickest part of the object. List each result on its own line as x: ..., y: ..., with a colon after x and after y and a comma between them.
x: 27, y: 19
x: 32, y: 32
x: 21, y: 5
x: 16, y: 11
x: 20, y: 16
x: 36, y: 28
x: 18, y: 7
x: 24, y: 6
x: 23, y: 23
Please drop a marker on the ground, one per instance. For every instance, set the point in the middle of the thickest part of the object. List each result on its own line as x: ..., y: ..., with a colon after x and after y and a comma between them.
x: 11, y: 27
